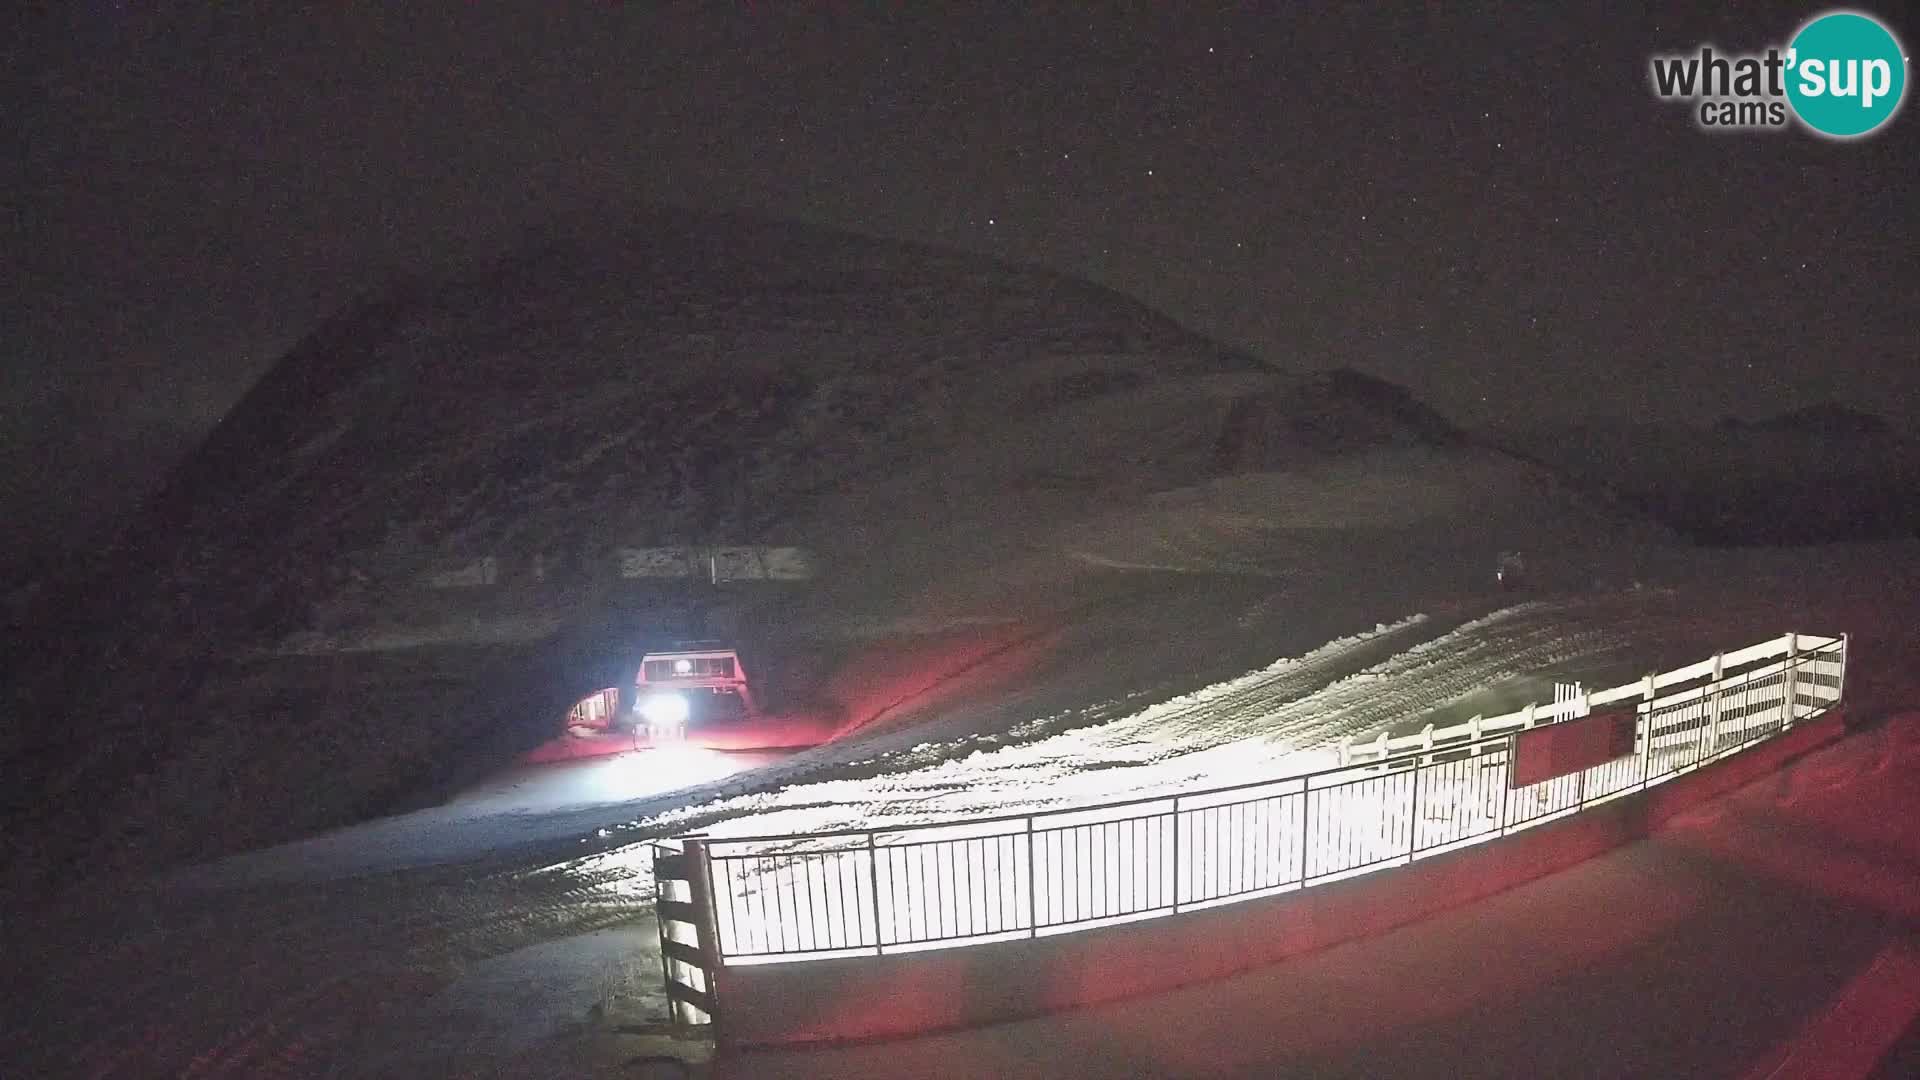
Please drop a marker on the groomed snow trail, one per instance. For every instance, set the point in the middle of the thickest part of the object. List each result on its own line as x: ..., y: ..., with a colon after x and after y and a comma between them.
x: 1271, y: 722
x: 292, y: 978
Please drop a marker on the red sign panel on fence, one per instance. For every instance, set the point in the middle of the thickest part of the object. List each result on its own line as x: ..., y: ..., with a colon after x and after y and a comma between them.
x: 1562, y: 749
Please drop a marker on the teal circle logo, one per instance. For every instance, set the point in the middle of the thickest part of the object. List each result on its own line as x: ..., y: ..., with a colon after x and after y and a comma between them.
x: 1846, y: 74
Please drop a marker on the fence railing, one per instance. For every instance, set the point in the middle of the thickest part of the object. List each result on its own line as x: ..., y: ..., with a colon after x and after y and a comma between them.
x: 1396, y: 800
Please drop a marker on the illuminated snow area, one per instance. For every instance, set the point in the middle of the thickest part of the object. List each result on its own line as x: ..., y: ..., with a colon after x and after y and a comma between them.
x: 344, y: 939
x: 794, y: 898
x: 1282, y: 719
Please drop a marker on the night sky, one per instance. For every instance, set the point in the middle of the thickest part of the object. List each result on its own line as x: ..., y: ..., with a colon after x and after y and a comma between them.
x: 1486, y: 204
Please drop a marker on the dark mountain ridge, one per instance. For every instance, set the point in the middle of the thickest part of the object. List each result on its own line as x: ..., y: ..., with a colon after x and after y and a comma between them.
x: 674, y: 378
x: 1824, y: 473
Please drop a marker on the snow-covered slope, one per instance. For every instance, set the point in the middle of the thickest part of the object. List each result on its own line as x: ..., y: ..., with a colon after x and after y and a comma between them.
x: 954, y: 435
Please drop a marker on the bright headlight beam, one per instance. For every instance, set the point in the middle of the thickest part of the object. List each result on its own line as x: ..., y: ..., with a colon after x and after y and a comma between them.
x: 664, y: 710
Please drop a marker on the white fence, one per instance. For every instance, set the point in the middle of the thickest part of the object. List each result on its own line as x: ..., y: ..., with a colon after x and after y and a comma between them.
x: 1395, y: 800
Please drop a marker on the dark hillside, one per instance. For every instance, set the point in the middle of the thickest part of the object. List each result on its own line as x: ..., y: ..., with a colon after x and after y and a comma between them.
x: 906, y: 413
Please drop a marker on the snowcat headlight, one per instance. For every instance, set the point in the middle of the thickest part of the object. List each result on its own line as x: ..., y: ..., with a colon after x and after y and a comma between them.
x: 664, y: 710
x: 683, y: 667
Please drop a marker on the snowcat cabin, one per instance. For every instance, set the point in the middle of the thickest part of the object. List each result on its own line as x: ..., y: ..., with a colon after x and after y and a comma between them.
x: 691, y: 688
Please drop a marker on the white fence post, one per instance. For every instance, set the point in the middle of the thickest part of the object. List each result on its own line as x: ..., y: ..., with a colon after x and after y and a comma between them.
x: 1583, y: 706
x: 1713, y: 702
x: 1787, y: 681
x: 1033, y: 875
x: 1177, y: 866
x: 1646, y: 731
x: 873, y: 892
x: 1846, y: 653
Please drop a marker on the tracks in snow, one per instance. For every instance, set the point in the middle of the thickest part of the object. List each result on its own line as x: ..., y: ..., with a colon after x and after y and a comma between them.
x: 1250, y: 727
x: 297, y: 978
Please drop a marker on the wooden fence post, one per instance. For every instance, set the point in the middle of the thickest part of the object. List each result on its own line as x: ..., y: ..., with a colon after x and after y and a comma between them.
x: 685, y: 999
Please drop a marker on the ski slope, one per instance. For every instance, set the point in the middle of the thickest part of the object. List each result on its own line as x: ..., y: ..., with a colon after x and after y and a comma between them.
x: 1280, y: 719
x: 466, y: 938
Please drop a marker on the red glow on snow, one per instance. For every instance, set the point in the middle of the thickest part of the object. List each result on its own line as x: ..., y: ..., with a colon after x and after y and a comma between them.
x: 1864, y: 1020
x: 1838, y: 826
x: 1388, y: 980
x: 885, y: 679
